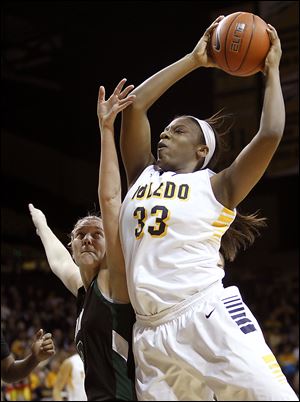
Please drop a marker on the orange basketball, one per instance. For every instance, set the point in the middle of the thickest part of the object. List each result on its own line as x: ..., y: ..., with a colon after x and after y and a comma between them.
x: 240, y: 44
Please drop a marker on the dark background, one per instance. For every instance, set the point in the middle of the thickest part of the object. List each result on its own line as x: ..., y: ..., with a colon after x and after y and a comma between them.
x: 54, y: 57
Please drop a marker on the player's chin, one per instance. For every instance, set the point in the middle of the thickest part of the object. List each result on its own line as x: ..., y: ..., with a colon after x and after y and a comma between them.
x: 163, y: 162
x: 88, y: 258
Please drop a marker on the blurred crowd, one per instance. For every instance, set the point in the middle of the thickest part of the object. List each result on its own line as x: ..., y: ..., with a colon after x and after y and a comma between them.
x: 32, y: 298
x: 29, y: 301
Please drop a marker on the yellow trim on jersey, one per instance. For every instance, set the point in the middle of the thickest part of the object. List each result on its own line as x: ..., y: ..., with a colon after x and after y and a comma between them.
x: 274, y: 365
x: 228, y: 211
x: 219, y: 224
x: 222, y: 223
x: 224, y: 218
x: 269, y: 358
x: 217, y: 235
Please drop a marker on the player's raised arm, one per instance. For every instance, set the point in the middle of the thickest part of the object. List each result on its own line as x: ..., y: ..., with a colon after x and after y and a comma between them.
x: 58, y: 256
x: 249, y: 166
x: 109, y: 189
x: 135, y: 129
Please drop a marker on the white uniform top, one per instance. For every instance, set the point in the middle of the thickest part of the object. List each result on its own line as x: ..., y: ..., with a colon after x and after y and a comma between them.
x: 171, y: 227
x: 75, y: 388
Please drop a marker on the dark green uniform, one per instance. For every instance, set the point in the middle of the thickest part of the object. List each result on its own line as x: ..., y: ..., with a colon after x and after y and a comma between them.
x: 104, y: 341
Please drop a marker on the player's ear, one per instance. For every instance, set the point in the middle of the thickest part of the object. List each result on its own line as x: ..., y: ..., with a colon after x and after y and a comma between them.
x: 201, y: 151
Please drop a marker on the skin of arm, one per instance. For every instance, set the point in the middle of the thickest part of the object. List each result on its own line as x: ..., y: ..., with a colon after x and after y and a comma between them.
x: 59, y: 258
x: 135, y: 128
x: 15, y: 370
x: 62, y: 379
x: 233, y: 184
x: 109, y: 188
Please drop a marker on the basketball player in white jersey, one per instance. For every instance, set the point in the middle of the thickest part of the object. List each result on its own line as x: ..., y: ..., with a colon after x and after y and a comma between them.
x: 70, y: 377
x: 193, y: 338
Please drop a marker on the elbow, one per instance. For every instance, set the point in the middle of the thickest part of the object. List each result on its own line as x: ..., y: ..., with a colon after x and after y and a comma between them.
x: 272, y: 133
x: 272, y: 127
x: 110, y: 200
x: 138, y: 106
x: 276, y: 135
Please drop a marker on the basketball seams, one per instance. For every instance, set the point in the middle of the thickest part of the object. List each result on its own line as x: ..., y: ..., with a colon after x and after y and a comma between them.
x: 250, y: 72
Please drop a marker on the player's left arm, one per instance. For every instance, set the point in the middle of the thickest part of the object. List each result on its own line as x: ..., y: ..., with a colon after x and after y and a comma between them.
x: 233, y: 184
x: 109, y: 188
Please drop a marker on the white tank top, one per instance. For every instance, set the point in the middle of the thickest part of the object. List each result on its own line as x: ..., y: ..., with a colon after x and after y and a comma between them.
x: 171, y: 227
x: 75, y: 388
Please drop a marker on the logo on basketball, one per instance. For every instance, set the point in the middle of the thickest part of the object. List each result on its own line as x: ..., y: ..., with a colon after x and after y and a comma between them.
x: 237, y: 37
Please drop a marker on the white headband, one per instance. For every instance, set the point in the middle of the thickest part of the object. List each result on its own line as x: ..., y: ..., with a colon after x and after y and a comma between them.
x: 210, y: 139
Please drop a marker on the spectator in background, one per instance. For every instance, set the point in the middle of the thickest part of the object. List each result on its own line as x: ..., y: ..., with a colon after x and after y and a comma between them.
x: 70, y: 377
x: 288, y: 361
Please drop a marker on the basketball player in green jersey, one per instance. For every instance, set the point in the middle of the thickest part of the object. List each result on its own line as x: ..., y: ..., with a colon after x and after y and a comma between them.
x: 97, y: 277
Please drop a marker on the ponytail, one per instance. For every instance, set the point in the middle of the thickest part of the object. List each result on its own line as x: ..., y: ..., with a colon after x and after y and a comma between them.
x: 241, y: 234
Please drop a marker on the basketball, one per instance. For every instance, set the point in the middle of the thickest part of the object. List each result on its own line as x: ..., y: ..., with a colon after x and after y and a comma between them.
x: 240, y: 44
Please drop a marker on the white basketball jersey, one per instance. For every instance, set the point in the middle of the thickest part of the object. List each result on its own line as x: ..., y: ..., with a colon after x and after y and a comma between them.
x: 171, y: 227
x: 75, y: 388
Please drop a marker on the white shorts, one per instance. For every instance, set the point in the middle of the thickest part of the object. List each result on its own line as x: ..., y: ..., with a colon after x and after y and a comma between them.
x: 208, y: 346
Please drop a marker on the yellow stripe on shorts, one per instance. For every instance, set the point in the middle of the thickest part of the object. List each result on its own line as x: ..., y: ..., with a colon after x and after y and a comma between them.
x: 271, y: 361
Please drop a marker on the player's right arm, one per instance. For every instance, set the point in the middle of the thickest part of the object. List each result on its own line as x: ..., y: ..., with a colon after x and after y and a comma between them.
x: 59, y: 258
x: 135, y: 128
x: 42, y: 348
x: 62, y: 379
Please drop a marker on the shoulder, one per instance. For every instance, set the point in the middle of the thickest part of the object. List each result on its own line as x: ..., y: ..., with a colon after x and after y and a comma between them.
x: 209, y: 172
x: 203, y: 175
x: 205, y: 172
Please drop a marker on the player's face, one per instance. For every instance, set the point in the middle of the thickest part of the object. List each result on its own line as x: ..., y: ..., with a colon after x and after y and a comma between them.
x: 88, y: 243
x: 177, y: 148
